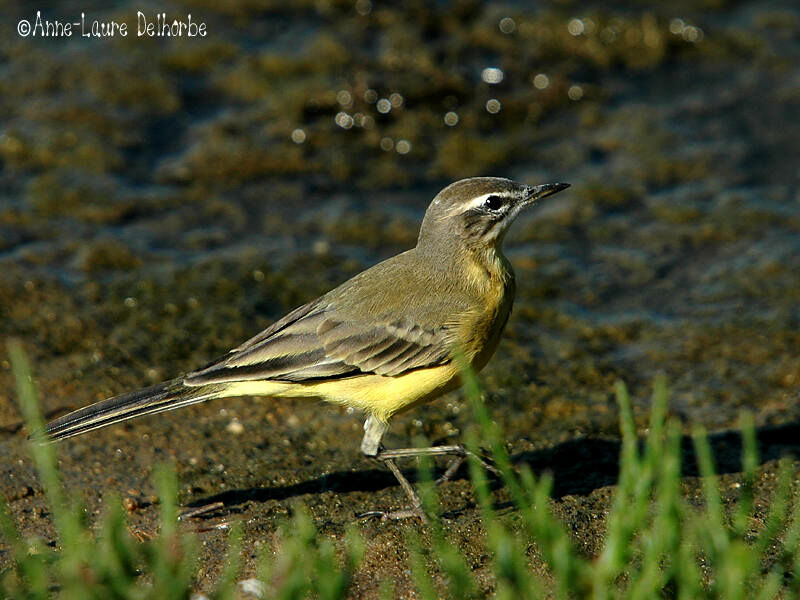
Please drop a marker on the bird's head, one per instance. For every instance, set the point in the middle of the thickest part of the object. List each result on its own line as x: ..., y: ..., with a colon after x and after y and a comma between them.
x: 477, y: 212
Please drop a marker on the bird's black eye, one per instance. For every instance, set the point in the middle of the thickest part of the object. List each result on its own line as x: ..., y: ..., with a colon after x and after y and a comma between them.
x: 494, y: 202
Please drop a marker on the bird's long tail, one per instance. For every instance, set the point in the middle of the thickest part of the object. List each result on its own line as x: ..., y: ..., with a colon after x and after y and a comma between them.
x: 161, y: 397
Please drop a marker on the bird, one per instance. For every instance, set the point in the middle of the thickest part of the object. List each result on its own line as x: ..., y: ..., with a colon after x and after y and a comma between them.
x: 391, y: 338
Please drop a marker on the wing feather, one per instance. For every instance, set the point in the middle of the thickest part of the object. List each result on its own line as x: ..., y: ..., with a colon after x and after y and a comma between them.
x: 314, y: 342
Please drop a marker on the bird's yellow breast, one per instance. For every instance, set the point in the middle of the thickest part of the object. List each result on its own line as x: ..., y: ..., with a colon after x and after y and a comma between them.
x: 481, y: 329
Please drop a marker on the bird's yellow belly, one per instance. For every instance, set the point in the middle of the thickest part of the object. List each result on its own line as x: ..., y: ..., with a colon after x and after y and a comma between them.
x: 375, y: 394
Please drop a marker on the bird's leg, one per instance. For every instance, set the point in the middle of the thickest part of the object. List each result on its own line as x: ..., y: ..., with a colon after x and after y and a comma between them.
x: 459, y: 451
x: 415, y: 510
x: 450, y: 470
x: 373, y: 433
x: 371, y: 446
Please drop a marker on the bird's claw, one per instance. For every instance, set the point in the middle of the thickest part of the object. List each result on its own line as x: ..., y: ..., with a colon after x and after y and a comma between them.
x: 396, y: 515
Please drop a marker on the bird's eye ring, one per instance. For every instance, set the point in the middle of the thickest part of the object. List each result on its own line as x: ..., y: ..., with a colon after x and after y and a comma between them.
x: 494, y: 202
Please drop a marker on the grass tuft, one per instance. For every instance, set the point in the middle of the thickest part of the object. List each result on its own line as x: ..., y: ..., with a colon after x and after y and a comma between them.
x: 657, y: 543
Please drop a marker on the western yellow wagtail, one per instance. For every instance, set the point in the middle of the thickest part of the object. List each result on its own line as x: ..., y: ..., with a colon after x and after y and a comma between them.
x: 383, y: 341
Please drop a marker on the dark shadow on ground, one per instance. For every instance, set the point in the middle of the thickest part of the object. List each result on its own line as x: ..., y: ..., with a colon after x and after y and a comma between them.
x: 578, y: 467
x: 582, y: 465
x: 368, y: 480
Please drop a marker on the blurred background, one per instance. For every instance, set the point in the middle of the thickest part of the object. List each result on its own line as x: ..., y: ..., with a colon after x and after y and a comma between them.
x: 163, y: 199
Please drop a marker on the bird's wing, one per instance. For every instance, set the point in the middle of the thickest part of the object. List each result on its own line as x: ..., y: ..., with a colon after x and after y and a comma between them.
x: 316, y: 342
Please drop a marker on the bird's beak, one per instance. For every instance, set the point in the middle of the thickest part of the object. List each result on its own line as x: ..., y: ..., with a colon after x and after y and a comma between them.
x: 536, y: 192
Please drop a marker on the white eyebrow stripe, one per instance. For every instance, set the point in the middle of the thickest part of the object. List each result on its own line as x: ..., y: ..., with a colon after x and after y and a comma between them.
x: 477, y: 201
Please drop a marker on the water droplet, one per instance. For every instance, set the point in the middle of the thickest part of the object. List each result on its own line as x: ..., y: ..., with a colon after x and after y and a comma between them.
x: 343, y: 120
x: 370, y: 96
x: 344, y: 98
x: 576, y: 27
x: 692, y: 34
x: 541, y: 81
x: 363, y: 7
x: 575, y: 92
x: 676, y: 26
x: 396, y: 100
x: 451, y: 119
x: 507, y: 25
x: 492, y: 75
x: 384, y: 106
x: 403, y: 147
x: 493, y: 106
x: 387, y: 144
x: 609, y: 34
x: 298, y: 136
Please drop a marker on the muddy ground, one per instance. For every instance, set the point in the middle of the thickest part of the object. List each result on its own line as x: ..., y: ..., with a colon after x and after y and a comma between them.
x: 161, y: 200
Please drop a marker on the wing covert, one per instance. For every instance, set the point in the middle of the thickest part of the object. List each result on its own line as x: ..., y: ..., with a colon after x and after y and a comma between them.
x: 311, y: 343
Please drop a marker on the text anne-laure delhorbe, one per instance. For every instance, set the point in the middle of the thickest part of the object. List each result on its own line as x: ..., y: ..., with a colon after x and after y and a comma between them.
x: 157, y: 25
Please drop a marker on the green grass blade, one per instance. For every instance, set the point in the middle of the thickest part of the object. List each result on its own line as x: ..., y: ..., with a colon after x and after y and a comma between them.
x: 225, y: 589
x: 419, y: 569
x: 718, y: 536
x: 744, y: 510
x: 44, y: 457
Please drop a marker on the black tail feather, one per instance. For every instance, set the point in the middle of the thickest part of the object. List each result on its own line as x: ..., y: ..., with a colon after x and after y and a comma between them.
x: 154, y: 399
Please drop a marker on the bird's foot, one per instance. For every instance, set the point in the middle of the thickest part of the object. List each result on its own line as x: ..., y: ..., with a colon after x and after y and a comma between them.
x: 484, y: 462
x: 396, y: 515
x: 387, y: 457
x: 451, y: 470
